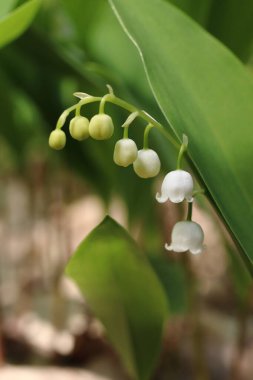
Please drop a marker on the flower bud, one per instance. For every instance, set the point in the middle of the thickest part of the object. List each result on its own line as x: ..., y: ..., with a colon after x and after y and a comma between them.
x: 57, y: 139
x: 177, y: 186
x: 125, y: 152
x: 147, y: 164
x: 79, y: 128
x: 186, y: 235
x: 101, y: 127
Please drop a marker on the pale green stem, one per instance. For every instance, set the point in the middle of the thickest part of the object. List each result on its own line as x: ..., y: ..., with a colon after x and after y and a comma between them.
x: 183, y: 149
x: 125, y: 133
x: 197, y: 192
x: 146, y: 134
x: 64, y: 115
x: 111, y: 98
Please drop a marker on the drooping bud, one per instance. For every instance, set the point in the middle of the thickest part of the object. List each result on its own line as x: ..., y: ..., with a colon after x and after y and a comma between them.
x: 79, y: 128
x: 186, y: 235
x: 125, y: 152
x: 147, y: 164
x: 57, y: 139
x: 177, y: 186
x: 101, y: 127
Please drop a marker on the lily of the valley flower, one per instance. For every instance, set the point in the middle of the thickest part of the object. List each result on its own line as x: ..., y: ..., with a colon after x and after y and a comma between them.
x: 57, y: 139
x: 186, y: 235
x: 125, y: 152
x: 147, y: 164
x: 101, y: 127
x: 177, y: 186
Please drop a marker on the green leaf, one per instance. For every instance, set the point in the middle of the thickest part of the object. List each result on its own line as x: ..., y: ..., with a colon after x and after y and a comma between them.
x: 231, y: 22
x: 6, y: 6
x: 124, y: 293
x: 173, y: 278
x: 198, y: 9
x: 241, y: 278
x: 15, y: 23
x: 206, y: 93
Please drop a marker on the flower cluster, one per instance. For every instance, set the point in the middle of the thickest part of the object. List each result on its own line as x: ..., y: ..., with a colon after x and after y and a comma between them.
x: 177, y: 185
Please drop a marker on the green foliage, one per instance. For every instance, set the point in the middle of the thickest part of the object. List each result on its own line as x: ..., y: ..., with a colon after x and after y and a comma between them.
x: 231, y: 22
x: 206, y: 93
x: 6, y: 6
x: 124, y: 293
x: 15, y: 23
x: 242, y: 280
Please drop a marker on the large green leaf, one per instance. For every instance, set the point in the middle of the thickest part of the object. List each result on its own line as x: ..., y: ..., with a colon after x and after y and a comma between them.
x: 231, y: 22
x: 124, y: 293
x: 206, y: 93
x: 6, y: 6
x: 15, y: 23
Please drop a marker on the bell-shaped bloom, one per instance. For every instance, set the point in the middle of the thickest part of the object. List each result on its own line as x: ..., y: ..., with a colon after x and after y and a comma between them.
x: 177, y: 186
x: 186, y: 235
x: 101, y: 127
x: 79, y: 128
x: 57, y: 139
x: 147, y: 164
x: 125, y: 152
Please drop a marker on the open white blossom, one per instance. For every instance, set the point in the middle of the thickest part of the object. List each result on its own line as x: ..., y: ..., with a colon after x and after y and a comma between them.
x: 186, y: 235
x: 177, y: 186
x: 147, y: 164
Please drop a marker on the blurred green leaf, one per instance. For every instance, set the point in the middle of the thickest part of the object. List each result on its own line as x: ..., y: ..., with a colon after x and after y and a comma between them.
x: 173, y: 278
x: 6, y: 6
x: 197, y: 9
x: 124, y: 293
x: 231, y: 22
x: 241, y: 278
x: 206, y: 93
x: 15, y: 23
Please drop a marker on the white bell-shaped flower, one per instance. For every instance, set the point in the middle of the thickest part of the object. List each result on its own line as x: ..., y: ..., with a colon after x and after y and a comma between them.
x: 125, y: 152
x: 177, y: 186
x: 147, y: 164
x: 186, y: 235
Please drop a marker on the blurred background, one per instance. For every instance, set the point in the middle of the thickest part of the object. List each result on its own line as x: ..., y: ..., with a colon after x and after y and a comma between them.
x: 51, y: 200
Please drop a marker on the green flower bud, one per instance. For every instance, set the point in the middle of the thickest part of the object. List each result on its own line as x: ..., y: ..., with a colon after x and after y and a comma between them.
x: 125, y: 152
x: 79, y: 128
x: 101, y: 127
x: 57, y: 139
x: 147, y: 164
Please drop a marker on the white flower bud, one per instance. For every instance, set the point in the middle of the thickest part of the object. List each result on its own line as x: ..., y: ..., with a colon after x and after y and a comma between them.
x: 79, y: 128
x: 186, y: 235
x: 101, y: 127
x: 147, y: 164
x: 177, y: 186
x: 125, y: 152
x: 57, y: 139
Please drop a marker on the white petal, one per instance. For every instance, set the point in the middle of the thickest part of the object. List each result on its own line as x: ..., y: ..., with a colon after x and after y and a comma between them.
x: 147, y: 164
x: 125, y: 152
x: 196, y: 251
x: 161, y: 198
x: 177, y: 186
x: 187, y: 235
x: 177, y: 198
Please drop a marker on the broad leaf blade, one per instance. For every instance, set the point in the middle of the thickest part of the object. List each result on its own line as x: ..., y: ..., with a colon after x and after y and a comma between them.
x: 231, y: 22
x: 6, y: 6
x: 124, y: 293
x: 15, y: 23
x: 206, y: 93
